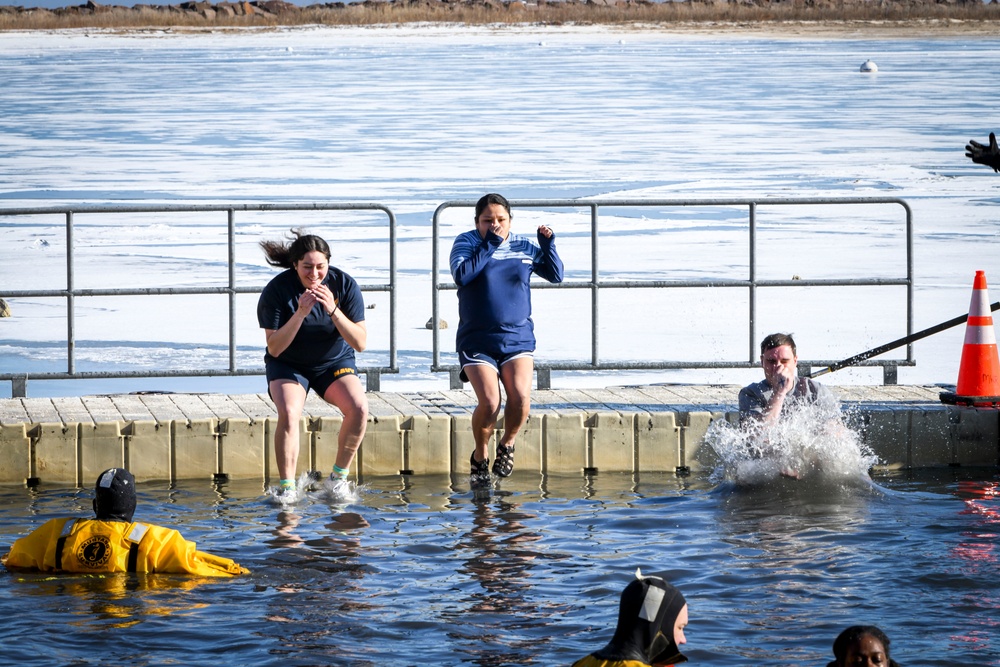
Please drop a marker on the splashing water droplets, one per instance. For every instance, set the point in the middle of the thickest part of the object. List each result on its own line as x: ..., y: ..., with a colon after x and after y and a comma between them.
x: 809, y: 441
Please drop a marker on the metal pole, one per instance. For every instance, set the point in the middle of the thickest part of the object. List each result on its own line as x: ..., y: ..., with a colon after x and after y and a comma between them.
x: 393, y: 291
x: 909, y: 276
x: 906, y: 340
x: 435, y: 317
x: 70, y: 310
x: 752, y: 324
x: 232, y: 288
x: 595, y: 317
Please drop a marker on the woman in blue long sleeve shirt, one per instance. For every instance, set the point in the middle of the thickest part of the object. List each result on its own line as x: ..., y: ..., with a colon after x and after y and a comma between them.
x: 496, y: 340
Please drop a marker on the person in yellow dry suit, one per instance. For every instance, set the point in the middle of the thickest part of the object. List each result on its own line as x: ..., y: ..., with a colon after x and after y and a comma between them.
x: 112, y: 542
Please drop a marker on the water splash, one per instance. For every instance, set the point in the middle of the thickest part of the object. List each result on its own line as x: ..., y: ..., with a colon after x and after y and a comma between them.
x: 810, y: 442
x: 313, y: 484
x: 339, y: 492
x: 285, y: 497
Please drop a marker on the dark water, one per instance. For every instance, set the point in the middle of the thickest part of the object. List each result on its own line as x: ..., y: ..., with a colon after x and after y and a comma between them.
x: 422, y: 572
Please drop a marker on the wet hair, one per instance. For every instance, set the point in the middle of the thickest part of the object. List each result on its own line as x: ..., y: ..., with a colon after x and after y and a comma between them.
x: 852, y: 635
x: 285, y: 255
x: 492, y: 198
x: 777, y: 340
x: 114, y: 495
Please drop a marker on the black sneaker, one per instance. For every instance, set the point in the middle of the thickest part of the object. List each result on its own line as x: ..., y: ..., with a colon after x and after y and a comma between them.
x: 479, y: 473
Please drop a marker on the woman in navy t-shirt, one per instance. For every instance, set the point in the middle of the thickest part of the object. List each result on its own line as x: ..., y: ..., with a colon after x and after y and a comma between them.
x: 313, y: 316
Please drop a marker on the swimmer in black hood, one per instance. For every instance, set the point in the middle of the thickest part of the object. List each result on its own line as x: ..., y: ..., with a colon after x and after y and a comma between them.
x: 652, y: 615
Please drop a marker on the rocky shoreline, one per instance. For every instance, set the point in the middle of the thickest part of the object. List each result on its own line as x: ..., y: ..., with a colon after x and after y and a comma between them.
x: 801, y: 15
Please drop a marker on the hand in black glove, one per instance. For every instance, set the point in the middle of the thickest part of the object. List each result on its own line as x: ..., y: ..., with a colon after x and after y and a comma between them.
x: 493, y: 239
x: 988, y: 155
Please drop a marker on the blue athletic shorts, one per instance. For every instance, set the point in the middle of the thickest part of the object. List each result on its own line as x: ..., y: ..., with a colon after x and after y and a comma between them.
x: 318, y: 379
x: 494, y: 361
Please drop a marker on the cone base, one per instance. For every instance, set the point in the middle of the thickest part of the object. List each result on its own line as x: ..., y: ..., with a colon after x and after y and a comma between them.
x: 970, y: 401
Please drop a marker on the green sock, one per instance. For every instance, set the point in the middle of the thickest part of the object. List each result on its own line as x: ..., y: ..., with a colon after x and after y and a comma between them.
x: 286, y: 484
x: 340, y: 472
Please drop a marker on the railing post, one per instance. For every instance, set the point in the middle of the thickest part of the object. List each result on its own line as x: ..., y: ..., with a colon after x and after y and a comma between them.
x: 373, y: 380
x: 70, y: 303
x: 544, y: 378
x: 19, y: 387
x: 752, y: 296
x: 231, y: 243
x: 595, y: 354
x: 890, y: 374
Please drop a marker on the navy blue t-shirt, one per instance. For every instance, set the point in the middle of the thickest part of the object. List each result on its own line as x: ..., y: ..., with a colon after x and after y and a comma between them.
x: 318, y: 343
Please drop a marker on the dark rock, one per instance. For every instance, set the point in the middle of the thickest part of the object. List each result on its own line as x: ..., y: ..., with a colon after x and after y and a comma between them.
x: 276, y: 6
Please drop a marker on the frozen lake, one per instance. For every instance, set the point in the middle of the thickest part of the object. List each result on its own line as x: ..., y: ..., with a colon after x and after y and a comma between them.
x: 414, y: 117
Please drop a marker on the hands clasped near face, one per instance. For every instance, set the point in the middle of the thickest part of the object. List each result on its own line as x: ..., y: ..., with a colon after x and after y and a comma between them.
x: 312, y: 269
x: 318, y: 293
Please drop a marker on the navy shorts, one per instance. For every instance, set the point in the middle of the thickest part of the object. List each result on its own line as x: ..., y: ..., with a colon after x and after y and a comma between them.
x: 317, y: 379
x: 494, y: 361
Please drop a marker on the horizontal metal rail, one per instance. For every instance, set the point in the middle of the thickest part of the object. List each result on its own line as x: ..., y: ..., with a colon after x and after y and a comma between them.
x: 231, y: 289
x: 751, y: 284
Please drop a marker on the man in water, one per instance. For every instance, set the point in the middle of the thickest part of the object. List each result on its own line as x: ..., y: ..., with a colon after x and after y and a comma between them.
x: 980, y: 154
x: 112, y: 542
x: 764, y: 402
x: 766, y: 405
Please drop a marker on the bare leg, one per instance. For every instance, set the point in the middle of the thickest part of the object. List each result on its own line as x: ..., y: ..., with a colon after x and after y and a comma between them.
x: 348, y: 396
x: 289, y: 398
x: 516, y: 377
x: 484, y: 418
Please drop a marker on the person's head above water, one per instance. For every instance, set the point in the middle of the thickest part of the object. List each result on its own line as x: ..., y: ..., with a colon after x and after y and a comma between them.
x: 114, y: 495
x: 778, y: 357
x: 864, y: 645
x: 652, y: 615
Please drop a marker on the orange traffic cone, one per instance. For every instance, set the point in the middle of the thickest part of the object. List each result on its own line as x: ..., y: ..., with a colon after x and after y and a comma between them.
x: 979, y: 371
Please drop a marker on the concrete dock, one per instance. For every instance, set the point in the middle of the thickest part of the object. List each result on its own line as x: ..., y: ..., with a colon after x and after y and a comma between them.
x: 173, y: 436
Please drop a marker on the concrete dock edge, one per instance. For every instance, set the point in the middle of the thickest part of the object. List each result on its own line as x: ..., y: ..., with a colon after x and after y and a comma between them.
x: 656, y: 428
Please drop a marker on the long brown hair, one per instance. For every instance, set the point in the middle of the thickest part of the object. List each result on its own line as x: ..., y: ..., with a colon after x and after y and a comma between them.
x: 285, y: 255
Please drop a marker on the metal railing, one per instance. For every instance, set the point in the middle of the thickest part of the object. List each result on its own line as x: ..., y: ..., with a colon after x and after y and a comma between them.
x: 231, y: 289
x: 751, y: 284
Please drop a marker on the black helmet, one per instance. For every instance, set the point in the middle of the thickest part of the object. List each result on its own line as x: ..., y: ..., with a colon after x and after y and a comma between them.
x: 114, y: 495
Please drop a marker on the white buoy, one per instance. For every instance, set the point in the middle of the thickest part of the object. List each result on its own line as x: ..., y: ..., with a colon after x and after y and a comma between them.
x: 869, y: 66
